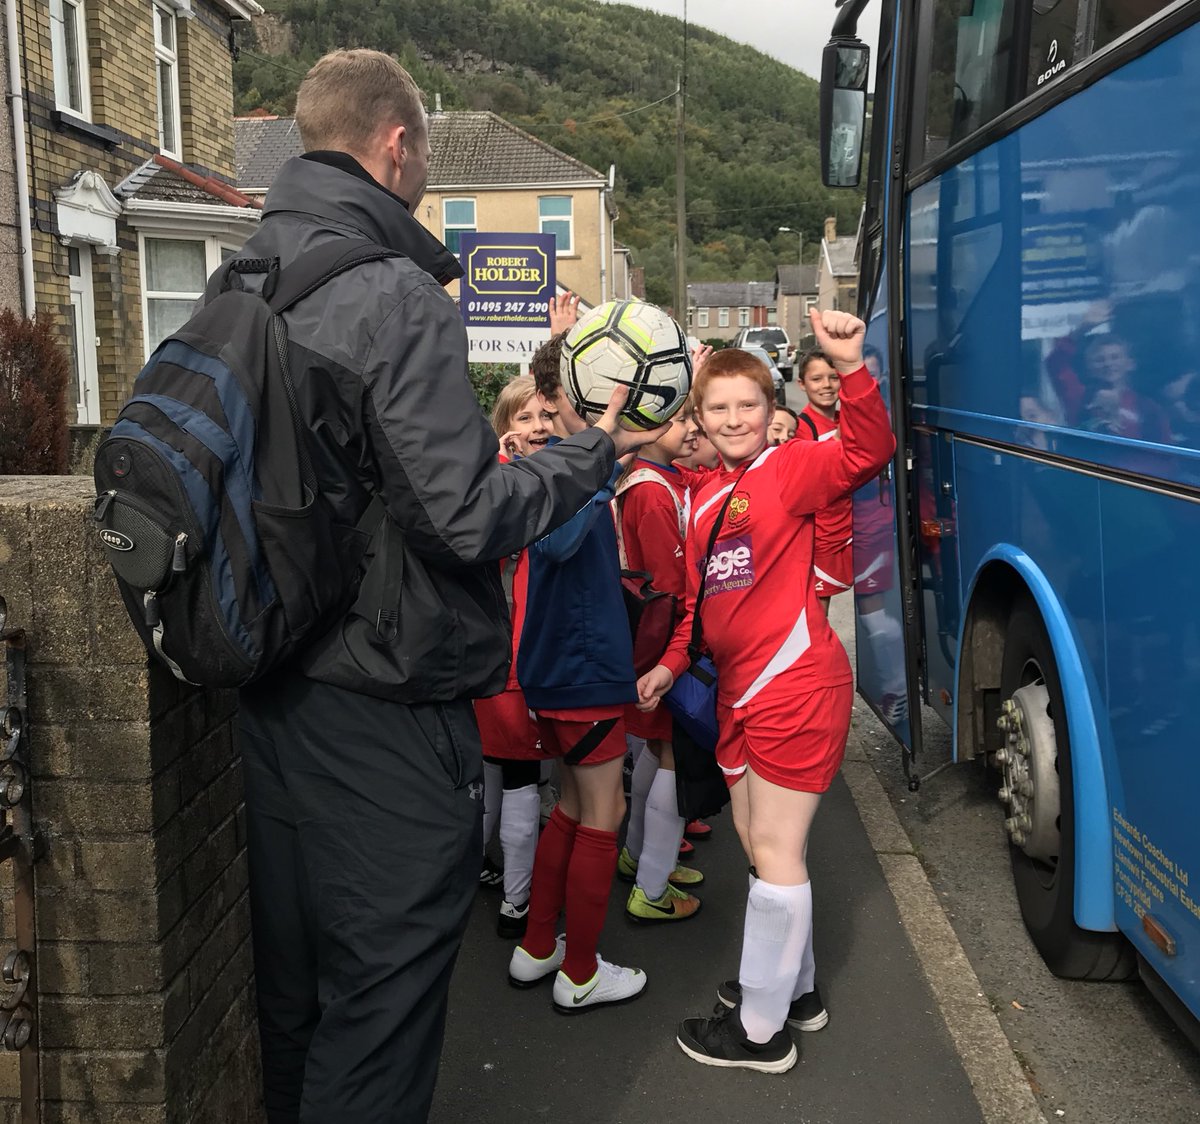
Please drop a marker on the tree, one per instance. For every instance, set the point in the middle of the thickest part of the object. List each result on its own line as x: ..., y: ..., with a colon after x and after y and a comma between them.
x: 34, y: 371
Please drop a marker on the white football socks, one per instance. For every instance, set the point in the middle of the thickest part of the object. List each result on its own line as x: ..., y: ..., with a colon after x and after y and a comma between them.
x: 663, y: 832
x: 807, y: 979
x: 778, y: 925
x: 886, y: 637
x: 644, y: 772
x: 493, y: 786
x: 519, y: 815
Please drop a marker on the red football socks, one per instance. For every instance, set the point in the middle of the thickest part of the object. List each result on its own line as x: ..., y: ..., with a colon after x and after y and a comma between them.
x: 549, y: 888
x: 589, y: 882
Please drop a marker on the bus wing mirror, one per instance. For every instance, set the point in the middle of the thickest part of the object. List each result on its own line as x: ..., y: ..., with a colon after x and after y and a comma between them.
x: 845, y: 64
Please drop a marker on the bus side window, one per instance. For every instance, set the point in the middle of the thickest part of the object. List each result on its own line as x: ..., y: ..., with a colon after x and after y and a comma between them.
x: 1115, y: 17
x: 1052, y: 39
x: 971, y: 52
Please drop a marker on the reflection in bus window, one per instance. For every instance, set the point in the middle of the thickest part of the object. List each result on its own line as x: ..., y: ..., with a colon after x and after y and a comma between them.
x: 979, y: 43
x: 1051, y: 42
x: 1115, y: 17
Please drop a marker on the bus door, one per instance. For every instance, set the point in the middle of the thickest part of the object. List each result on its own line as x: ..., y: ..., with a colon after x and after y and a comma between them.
x: 887, y: 623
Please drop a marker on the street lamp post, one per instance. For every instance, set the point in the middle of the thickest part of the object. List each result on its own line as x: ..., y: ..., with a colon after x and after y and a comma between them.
x: 799, y: 284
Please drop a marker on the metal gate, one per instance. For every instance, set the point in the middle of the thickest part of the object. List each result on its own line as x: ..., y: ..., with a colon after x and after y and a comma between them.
x: 17, y: 976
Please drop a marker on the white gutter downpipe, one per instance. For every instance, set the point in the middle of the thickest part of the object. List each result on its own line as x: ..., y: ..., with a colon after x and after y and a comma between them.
x: 21, y: 169
x: 603, y: 250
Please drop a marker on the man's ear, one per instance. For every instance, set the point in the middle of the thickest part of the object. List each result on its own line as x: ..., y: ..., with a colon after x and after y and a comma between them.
x: 396, y: 138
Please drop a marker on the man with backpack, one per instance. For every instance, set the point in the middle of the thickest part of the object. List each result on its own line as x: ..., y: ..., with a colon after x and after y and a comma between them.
x: 361, y: 756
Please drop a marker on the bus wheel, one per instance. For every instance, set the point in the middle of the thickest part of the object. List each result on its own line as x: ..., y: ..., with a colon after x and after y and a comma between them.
x: 1037, y: 792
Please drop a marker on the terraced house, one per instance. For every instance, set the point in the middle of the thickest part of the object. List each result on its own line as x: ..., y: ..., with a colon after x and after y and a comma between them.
x: 124, y: 129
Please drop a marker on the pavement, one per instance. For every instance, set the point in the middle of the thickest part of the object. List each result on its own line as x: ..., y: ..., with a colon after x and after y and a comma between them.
x: 912, y: 1036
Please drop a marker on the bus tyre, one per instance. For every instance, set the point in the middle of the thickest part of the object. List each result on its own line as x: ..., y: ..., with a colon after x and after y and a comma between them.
x: 1037, y: 789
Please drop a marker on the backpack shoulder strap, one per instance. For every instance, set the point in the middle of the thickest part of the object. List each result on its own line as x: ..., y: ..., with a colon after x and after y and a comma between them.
x: 304, y: 275
x: 811, y: 425
x: 318, y: 266
x: 649, y: 476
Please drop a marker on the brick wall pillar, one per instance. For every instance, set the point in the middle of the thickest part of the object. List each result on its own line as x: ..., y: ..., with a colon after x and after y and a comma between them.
x: 145, y: 989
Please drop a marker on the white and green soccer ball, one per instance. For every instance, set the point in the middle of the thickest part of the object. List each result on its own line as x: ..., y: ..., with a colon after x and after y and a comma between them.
x: 635, y: 344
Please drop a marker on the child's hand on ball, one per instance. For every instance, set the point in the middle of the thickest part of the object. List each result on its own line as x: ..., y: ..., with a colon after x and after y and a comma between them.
x: 840, y: 336
x: 625, y: 440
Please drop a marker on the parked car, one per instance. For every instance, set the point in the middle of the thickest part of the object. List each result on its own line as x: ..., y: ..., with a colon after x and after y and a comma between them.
x: 776, y: 375
x: 774, y: 341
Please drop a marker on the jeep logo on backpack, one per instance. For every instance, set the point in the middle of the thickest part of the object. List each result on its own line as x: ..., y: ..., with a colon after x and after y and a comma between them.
x: 115, y: 540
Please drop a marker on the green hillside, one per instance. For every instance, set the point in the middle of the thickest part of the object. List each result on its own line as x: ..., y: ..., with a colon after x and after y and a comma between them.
x: 577, y: 74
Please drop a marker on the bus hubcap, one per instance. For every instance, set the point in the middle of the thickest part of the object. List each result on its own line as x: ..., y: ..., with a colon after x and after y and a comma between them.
x: 1029, y: 757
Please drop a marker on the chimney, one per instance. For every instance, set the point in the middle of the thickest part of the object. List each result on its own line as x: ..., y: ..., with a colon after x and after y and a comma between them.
x: 831, y: 229
x: 437, y: 103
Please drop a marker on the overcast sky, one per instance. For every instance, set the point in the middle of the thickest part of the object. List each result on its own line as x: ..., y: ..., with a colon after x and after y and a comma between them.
x: 793, y: 31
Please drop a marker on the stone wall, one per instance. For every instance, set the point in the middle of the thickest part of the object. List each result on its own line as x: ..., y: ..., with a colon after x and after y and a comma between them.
x: 145, y: 989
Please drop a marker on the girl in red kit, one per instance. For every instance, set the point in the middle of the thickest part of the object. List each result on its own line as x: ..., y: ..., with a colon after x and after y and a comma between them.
x: 784, y: 682
x: 511, y: 749
x: 833, y: 561
x: 652, y: 506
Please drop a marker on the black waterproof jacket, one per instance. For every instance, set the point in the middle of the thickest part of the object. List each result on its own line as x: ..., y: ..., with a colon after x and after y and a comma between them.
x: 379, y: 358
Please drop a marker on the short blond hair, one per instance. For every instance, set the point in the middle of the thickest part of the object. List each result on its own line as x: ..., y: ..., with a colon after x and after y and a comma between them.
x: 348, y: 96
x: 510, y: 401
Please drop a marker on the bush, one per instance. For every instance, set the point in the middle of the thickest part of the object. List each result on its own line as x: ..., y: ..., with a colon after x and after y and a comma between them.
x: 34, y: 372
x: 488, y: 379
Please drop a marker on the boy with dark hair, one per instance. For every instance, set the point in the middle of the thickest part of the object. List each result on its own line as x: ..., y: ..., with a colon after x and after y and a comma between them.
x: 833, y: 561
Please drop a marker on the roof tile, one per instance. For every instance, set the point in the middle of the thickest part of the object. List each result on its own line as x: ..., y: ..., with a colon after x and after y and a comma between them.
x: 473, y: 149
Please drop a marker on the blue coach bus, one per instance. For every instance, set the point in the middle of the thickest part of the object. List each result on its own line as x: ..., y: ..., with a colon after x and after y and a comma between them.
x: 1027, y: 567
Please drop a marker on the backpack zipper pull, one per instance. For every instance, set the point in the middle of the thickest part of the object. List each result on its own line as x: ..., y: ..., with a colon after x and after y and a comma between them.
x: 102, y: 506
x: 150, y: 604
x: 179, y: 562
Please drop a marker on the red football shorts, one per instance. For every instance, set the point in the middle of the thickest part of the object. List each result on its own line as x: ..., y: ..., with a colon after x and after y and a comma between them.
x: 507, y: 730
x: 794, y: 740
x: 652, y: 725
x: 834, y: 572
x: 587, y: 737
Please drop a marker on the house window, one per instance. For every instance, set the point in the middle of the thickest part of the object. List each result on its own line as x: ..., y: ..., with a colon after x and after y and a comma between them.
x: 743, y: 318
x: 772, y: 316
x: 84, y: 390
x: 722, y: 318
x: 175, y: 271
x: 554, y: 217
x: 691, y: 316
x: 702, y: 318
x: 458, y: 216
x: 809, y: 304
x: 166, y: 66
x: 68, y: 46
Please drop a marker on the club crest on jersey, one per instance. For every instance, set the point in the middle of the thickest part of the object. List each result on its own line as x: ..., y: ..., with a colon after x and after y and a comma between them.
x: 731, y: 566
x: 739, y: 508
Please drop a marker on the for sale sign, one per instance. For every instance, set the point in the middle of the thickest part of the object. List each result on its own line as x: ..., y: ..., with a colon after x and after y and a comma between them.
x: 505, y: 294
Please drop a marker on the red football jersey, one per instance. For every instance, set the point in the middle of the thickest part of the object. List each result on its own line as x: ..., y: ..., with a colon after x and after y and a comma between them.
x: 650, y: 526
x: 835, y: 523
x: 519, y: 565
x: 761, y: 616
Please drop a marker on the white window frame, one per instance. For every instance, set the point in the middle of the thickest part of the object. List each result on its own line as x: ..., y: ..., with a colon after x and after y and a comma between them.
x: 60, y: 12
x: 809, y: 304
x: 461, y: 227
x: 83, y: 302
x: 722, y: 317
x: 165, y: 56
x: 214, y: 248
x: 560, y: 252
x: 702, y: 318
x: 743, y: 317
x: 772, y: 316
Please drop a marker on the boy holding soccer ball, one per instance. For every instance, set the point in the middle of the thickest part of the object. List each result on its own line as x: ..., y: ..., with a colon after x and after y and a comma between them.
x: 784, y: 682
x: 575, y: 667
